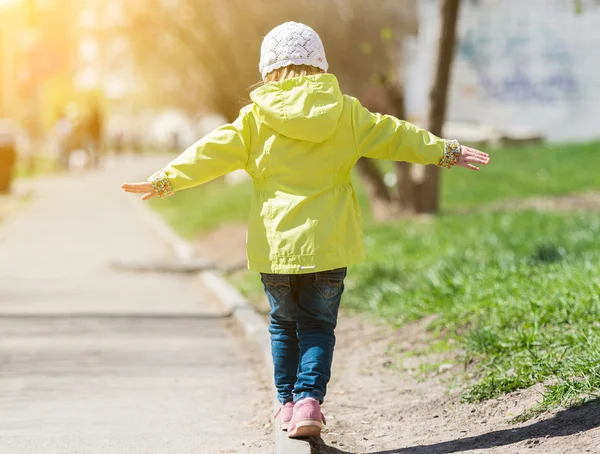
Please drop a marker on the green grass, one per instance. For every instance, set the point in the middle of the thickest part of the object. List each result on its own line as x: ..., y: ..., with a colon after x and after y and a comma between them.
x: 198, y: 209
x: 42, y: 165
x: 525, y: 172
x: 517, y: 172
x: 517, y: 292
x: 249, y: 284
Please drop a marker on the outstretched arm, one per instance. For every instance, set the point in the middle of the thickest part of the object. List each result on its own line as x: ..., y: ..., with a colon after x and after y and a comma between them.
x: 386, y: 137
x: 222, y: 151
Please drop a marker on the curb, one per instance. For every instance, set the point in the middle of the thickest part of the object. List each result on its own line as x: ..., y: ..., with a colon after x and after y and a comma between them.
x: 184, y: 250
x: 253, y: 324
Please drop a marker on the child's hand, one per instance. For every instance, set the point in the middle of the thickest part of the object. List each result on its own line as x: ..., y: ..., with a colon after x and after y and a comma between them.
x: 145, y: 189
x: 469, y: 155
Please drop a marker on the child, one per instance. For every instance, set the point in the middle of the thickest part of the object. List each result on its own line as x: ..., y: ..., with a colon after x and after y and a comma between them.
x: 299, y: 140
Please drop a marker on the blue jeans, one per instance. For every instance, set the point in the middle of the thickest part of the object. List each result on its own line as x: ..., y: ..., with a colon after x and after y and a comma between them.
x: 304, y: 310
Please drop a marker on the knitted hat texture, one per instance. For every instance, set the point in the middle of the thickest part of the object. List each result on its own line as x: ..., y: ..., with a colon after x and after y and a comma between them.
x: 291, y: 43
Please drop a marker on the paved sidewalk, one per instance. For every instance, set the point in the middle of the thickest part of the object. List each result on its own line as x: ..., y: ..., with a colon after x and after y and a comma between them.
x: 95, y: 360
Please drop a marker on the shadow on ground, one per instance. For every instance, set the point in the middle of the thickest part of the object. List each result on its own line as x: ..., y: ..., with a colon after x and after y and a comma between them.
x: 564, y: 423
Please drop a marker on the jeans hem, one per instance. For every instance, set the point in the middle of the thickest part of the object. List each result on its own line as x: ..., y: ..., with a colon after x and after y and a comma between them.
x: 284, y: 400
x: 317, y: 395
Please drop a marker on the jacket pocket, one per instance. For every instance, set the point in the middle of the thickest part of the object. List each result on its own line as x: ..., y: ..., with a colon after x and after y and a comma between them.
x: 330, y: 283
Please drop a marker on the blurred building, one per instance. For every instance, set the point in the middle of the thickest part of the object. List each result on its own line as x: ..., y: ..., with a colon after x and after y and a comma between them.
x: 521, y: 67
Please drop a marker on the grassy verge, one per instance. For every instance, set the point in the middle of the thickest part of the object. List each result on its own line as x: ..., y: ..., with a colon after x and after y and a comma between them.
x: 526, y: 172
x: 41, y: 165
x: 198, y: 209
x: 518, y: 292
x: 535, y: 170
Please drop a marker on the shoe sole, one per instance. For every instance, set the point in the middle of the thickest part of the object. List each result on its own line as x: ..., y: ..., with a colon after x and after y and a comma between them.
x: 285, y: 426
x: 305, y: 429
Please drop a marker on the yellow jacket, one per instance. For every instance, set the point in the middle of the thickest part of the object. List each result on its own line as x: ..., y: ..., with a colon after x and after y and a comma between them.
x: 299, y: 140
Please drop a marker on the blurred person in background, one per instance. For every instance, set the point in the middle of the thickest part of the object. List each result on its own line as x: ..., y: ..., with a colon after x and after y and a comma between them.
x: 62, y: 130
x: 78, y: 155
x: 137, y: 145
x: 119, y: 143
x: 299, y: 140
x: 95, y: 124
x: 175, y: 141
x: 72, y: 137
x: 33, y: 142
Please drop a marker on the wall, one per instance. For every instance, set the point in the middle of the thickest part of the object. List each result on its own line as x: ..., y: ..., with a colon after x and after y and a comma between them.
x: 531, y: 65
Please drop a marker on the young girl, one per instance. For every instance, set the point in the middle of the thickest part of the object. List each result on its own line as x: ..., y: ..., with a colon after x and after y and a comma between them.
x: 299, y: 140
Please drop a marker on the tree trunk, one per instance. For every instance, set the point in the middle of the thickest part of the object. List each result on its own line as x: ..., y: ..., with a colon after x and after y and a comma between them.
x: 373, y: 180
x: 428, y: 198
x: 379, y: 195
x: 406, y: 187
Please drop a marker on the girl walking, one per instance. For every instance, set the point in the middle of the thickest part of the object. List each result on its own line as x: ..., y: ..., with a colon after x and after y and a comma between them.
x: 298, y: 140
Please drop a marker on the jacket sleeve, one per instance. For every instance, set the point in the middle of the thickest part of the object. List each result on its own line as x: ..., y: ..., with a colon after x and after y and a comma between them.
x: 222, y: 151
x: 386, y: 137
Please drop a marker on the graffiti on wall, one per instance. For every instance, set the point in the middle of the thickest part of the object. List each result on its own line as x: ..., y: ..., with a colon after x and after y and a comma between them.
x: 519, y: 65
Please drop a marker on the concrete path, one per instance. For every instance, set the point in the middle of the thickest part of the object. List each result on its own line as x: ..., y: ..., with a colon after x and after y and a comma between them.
x: 95, y: 360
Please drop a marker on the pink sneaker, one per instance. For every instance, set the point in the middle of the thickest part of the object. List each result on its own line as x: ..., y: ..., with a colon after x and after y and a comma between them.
x: 285, y: 415
x: 307, y: 419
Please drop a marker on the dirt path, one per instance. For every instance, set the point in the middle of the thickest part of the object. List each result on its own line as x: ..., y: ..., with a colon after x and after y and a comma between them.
x: 375, y: 407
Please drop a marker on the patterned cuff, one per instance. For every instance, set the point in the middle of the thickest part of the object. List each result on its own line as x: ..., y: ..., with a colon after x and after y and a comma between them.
x: 451, y: 154
x: 161, y: 184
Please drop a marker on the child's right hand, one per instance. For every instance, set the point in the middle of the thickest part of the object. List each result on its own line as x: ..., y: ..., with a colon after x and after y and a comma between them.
x: 146, y: 189
x: 469, y: 155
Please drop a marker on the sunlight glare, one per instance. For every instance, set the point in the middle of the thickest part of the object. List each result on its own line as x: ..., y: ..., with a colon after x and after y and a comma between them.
x: 7, y: 2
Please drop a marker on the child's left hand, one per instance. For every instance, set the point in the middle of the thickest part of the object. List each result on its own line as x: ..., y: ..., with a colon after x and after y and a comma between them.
x: 146, y: 189
x: 469, y: 155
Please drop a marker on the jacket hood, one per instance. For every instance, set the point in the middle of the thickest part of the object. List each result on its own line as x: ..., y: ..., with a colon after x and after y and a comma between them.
x: 302, y: 108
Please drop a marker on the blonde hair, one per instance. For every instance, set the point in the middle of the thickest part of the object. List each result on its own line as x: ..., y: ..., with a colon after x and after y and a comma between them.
x: 287, y: 72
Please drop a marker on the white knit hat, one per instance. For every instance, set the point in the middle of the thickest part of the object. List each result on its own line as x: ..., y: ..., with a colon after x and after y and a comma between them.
x: 291, y: 44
